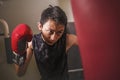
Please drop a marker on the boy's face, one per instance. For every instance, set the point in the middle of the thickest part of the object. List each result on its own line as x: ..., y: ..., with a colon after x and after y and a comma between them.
x: 51, y: 31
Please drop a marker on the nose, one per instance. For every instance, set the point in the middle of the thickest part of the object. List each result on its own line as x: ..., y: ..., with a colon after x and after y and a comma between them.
x: 53, y: 37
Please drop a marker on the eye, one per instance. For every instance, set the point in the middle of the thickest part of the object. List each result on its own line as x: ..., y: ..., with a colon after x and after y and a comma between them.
x: 59, y: 32
x: 51, y: 31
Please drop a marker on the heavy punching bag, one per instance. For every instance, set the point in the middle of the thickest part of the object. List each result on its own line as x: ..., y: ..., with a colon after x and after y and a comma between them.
x: 98, y: 29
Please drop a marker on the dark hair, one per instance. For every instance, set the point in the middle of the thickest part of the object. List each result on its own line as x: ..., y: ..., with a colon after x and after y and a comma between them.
x: 54, y: 13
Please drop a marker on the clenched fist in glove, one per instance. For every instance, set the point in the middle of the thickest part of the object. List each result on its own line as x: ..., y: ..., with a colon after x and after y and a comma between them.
x: 19, y: 38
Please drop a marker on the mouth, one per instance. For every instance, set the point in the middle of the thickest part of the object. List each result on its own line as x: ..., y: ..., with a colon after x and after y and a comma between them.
x: 50, y: 42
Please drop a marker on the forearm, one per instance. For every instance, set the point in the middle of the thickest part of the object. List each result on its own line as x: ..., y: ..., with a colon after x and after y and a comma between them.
x: 20, y: 70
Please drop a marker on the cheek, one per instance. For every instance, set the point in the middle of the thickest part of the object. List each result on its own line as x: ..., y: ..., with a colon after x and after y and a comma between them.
x: 58, y: 37
x: 46, y: 36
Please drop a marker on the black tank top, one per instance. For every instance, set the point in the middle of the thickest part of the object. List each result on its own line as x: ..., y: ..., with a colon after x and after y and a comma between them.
x: 51, y: 60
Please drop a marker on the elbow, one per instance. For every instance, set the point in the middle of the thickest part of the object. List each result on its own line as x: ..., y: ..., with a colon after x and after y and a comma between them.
x: 20, y: 74
x: 20, y: 71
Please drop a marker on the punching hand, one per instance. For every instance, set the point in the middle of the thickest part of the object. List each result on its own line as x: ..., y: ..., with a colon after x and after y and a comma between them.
x: 19, y: 38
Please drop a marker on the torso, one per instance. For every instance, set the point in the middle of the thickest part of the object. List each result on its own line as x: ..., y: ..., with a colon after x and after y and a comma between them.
x: 51, y: 60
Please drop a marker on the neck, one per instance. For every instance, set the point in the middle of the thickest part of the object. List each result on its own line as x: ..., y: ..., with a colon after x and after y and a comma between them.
x: 46, y: 41
x: 43, y: 38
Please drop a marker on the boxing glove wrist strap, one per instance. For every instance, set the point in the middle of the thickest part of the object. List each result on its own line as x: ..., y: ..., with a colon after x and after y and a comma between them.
x: 18, y: 59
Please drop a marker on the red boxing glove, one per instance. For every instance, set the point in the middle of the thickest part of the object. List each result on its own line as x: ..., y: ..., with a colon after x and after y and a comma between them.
x: 19, y: 38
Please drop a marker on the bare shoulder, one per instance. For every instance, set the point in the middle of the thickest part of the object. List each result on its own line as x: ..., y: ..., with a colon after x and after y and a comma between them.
x: 30, y: 45
x: 71, y: 40
x: 29, y: 49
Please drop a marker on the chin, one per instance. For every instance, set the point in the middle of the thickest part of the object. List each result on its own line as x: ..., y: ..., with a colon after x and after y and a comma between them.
x: 51, y: 43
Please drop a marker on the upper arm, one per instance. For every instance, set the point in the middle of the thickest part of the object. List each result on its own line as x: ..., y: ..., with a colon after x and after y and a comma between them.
x: 30, y: 45
x: 29, y: 50
x: 20, y: 70
x: 71, y: 40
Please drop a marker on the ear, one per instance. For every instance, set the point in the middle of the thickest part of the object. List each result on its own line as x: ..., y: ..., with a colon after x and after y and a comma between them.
x: 39, y: 26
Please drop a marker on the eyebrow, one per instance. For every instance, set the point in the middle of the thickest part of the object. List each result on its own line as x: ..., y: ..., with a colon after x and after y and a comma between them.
x: 49, y: 29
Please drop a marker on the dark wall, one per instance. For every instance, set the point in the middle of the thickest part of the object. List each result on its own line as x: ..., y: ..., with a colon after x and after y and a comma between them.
x: 74, y: 59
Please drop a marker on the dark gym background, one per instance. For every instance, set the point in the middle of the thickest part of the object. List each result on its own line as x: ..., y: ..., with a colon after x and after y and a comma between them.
x: 74, y: 60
